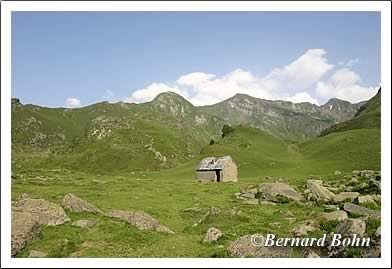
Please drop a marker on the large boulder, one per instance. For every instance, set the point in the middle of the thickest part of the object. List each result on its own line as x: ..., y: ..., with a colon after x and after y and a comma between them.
x: 76, y: 204
x: 318, y: 192
x: 47, y: 213
x: 243, y: 247
x: 139, y: 219
x: 360, y: 210
x: 212, y: 235
x: 346, y: 196
x: 24, y: 229
x: 275, y: 191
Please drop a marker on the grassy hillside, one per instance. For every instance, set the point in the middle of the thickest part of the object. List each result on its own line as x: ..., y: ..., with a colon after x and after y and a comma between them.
x: 259, y: 154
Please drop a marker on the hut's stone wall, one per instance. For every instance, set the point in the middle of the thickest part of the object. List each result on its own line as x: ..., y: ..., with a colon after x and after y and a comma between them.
x: 229, y: 172
x: 206, y: 175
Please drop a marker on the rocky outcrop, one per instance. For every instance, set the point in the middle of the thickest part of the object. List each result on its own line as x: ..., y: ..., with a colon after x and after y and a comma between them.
x: 47, y: 213
x: 275, y: 192
x: 76, y: 204
x: 24, y: 229
x: 139, y: 219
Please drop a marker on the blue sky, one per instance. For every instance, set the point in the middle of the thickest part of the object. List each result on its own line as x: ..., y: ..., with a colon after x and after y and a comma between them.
x: 78, y: 58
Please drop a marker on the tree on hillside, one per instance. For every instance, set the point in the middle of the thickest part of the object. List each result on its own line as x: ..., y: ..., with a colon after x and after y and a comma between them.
x: 226, y: 129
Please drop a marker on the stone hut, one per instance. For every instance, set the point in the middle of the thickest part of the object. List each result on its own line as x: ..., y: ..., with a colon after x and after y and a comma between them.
x: 217, y: 169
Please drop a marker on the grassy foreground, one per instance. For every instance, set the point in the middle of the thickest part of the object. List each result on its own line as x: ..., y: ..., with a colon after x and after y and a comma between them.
x: 165, y: 194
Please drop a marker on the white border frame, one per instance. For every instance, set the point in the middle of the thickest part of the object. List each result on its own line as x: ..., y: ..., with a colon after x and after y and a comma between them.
x: 8, y: 7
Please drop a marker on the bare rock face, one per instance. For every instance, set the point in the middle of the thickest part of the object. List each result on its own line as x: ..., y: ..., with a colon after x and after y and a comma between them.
x: 24, y: 229
x: 76, y: 204
x: 139, y: 219
x: 243, y: 247
x: 349, y: 227
x: 360, y: 210
x: 47, y: 213
x: 318, y: 192
x: 212, y: 235
x: 346, y: 196
x: 274, y: 192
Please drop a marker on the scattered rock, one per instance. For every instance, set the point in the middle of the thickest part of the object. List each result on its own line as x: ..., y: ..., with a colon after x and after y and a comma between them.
x: 76, y: 204
x: 334, y: 215
x: 247, y: 195
x: 346, y: 196
x: 337, y: 172
x: 330, y: 208
x: 251, y: 201
x: 192, y: 209
x: 264, y: 202
x: 360, y: 210
x: 84, y: 223
x: 310, y: 253
x: 318, y: 192
x: 349, y: 227
x: 212, y: 235
x: 37, y: 254
x: 139, y: 219
x: 303, y: 229
x: 24, y: 229
x: 377, y: 233
x: 215, y: 210
x: 23, y: 196
x: 366, y: 199
x: 243, y: 247
x: 275, y: 191
x: 48, y: 213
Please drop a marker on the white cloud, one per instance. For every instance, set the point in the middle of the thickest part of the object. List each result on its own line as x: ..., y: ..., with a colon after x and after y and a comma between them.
x: 147, y: 94
x: 302, y: 97
x: 302, y: 80
x: 344, y: 84
x: 72, y: 102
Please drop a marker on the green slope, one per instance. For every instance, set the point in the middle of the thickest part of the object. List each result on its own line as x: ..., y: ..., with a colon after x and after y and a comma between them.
x: 111, y: 138
x: 259, y: 154
x: 368, y: 116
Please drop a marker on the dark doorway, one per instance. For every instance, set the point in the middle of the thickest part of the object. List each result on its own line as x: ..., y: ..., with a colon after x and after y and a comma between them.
x: 217, y: 172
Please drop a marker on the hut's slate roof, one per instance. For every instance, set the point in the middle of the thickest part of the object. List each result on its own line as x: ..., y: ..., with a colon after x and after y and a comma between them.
x: 212, y: 163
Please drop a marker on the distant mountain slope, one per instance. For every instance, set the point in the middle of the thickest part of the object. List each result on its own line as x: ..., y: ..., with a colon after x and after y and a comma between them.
x: 368, y: 116
x: 106, y: 137
x: 286, y: 120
